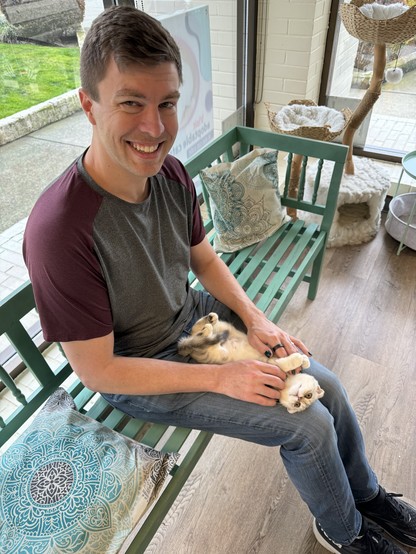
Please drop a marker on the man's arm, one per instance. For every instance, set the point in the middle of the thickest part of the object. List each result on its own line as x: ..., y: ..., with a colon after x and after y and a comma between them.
x: 100, y: 370
x: 221, y: 283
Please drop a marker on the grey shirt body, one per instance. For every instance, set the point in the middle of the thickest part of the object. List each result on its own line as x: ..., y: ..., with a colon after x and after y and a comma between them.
x: 100, y: 264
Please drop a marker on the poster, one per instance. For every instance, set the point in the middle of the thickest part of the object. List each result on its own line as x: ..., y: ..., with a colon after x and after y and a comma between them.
x: 190, y: 29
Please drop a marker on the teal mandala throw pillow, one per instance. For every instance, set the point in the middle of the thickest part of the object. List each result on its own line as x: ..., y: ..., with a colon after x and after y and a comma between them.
x: 245, y: 199
x: 71, y: 485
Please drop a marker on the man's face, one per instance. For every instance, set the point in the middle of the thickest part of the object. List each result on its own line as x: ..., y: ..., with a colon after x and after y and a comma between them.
x: 135, y: 120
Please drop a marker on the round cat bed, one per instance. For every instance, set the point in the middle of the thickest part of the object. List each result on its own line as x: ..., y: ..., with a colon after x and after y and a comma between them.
x: 377, y: 23
x: 360, y: 201
x: 399, y: 219
x: 304, y: 118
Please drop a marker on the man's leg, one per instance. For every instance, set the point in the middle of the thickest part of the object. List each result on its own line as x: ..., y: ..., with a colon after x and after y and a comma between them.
x: 322, y: 448
x: 322, y: 451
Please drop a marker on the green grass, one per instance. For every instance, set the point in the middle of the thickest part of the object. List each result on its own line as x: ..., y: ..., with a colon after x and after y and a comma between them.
x: 32, y: 74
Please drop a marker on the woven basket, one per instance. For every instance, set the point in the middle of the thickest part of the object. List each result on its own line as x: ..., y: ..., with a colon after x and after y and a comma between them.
x: 386, y: 31
x: 308, y: 131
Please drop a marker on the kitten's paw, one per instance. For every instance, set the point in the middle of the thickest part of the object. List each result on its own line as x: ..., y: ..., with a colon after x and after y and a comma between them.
x: 293, y: 362
x: 183, y: 347
x: 305, y: 361
x: 213, y: 318
x: 206, y: 330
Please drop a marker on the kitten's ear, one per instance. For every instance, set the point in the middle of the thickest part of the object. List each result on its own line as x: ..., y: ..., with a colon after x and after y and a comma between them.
x: 320, y: 392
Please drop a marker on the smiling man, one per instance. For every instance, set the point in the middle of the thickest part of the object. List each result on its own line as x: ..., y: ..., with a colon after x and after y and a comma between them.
x: 135, y: 124
x: 109, y: 246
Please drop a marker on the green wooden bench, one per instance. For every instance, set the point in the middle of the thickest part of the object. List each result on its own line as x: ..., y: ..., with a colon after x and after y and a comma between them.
x: 270, y: 272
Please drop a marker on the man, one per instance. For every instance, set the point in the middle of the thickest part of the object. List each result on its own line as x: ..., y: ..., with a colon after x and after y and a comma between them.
x: 109, y: 245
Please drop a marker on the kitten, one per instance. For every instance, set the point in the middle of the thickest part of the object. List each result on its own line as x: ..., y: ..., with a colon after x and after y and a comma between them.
x: 216, y: 342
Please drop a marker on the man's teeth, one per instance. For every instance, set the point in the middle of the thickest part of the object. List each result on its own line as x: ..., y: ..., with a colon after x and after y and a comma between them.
x: 143, y: 148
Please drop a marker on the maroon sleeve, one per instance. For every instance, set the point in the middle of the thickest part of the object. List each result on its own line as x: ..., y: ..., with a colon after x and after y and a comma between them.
x: 70, y: 292
x: 174, y: 169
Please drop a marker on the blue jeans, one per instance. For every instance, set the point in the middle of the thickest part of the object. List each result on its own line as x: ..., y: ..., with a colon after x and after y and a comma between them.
x: 322, y: 448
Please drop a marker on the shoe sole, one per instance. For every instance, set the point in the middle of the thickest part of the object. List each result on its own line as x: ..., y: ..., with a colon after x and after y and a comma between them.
x: 321, y: 539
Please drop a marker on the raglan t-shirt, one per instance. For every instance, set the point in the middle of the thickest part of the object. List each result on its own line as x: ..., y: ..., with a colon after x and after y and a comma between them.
x: 100, y: 264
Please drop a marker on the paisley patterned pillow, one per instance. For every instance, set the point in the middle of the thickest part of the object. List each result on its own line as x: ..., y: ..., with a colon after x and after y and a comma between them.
x: 245, y: 199
x: 71, y: 485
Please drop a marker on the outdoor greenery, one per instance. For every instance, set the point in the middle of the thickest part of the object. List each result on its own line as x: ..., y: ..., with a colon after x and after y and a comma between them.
x: 8, y: 32
x: 32, y: 74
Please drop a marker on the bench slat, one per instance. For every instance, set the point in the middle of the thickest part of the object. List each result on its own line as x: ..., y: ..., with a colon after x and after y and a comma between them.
x: 286, y: 269
x: 278, y: 250
x: 294, y: 283
x: 15, y: 306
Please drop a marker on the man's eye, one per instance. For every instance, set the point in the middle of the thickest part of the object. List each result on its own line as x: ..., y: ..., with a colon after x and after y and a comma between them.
x: 131, y: 106
x: 168, y: 105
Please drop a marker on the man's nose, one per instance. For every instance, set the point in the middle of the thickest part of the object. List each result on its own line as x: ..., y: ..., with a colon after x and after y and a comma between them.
x: 151, y: 122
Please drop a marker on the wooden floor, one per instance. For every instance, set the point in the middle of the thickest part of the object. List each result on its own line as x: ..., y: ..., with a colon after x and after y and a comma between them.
x: 363, y: 325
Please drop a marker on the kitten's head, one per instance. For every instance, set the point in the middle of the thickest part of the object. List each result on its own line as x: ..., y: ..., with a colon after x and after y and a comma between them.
x: 302, y: 392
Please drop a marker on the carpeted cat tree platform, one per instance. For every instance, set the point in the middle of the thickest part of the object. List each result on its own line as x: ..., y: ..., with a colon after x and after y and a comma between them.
x: 360, y: 201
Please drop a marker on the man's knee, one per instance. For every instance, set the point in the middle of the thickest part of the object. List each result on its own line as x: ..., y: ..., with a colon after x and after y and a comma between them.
x: 315, y: 431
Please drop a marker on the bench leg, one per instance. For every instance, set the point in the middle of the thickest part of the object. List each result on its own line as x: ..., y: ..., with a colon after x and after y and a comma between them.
x: 315, y: 275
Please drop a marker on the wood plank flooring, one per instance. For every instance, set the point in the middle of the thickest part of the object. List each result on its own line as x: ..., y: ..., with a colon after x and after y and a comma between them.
x: 239, y: 499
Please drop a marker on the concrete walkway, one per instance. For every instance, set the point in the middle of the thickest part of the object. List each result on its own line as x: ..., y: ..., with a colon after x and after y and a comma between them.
x: 28, y: 165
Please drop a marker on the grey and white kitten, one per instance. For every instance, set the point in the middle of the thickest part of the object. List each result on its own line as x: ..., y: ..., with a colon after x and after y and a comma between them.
x: 217, y: 342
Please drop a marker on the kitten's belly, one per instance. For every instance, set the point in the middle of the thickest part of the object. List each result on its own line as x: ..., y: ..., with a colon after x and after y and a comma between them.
x: 242, y: 352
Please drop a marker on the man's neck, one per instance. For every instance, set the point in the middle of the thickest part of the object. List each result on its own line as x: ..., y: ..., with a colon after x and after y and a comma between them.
x: 128, y: 187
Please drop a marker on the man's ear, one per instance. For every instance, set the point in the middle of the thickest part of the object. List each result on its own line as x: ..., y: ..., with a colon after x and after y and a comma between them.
x: 86, y: 105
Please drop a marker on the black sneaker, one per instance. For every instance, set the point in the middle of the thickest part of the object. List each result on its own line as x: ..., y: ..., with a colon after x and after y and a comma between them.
x: 369, y: 542
x: 396, y: 517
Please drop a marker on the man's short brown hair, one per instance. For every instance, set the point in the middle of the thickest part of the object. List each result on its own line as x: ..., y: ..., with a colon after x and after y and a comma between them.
x: 130, y: 37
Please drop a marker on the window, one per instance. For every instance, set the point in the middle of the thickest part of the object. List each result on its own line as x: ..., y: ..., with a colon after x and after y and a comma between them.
x: 39, y: 63
x: 389, y: 130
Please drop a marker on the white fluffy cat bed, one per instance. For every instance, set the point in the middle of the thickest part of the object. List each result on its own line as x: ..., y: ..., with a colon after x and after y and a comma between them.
x: 360, y: 201
x: 304, y: 118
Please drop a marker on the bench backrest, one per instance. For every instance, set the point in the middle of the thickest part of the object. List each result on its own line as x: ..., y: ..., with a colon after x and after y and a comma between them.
x: 12, y: 310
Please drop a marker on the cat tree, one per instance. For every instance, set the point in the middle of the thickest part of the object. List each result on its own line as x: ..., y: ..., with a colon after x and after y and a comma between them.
x: 379, y: 25
x: 360, y: 197
x: 365, y: 183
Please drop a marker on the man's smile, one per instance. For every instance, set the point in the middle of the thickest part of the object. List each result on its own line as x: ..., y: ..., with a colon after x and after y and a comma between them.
x: 144, y: 148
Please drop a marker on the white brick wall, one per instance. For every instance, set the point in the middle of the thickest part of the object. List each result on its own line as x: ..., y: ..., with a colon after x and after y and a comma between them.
x: 295, y: 45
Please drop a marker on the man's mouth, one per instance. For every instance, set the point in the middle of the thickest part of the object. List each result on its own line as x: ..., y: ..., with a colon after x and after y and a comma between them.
x: 144, y: 148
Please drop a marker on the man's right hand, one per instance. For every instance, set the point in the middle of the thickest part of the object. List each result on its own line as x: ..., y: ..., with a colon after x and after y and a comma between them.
x: 251, y: 381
